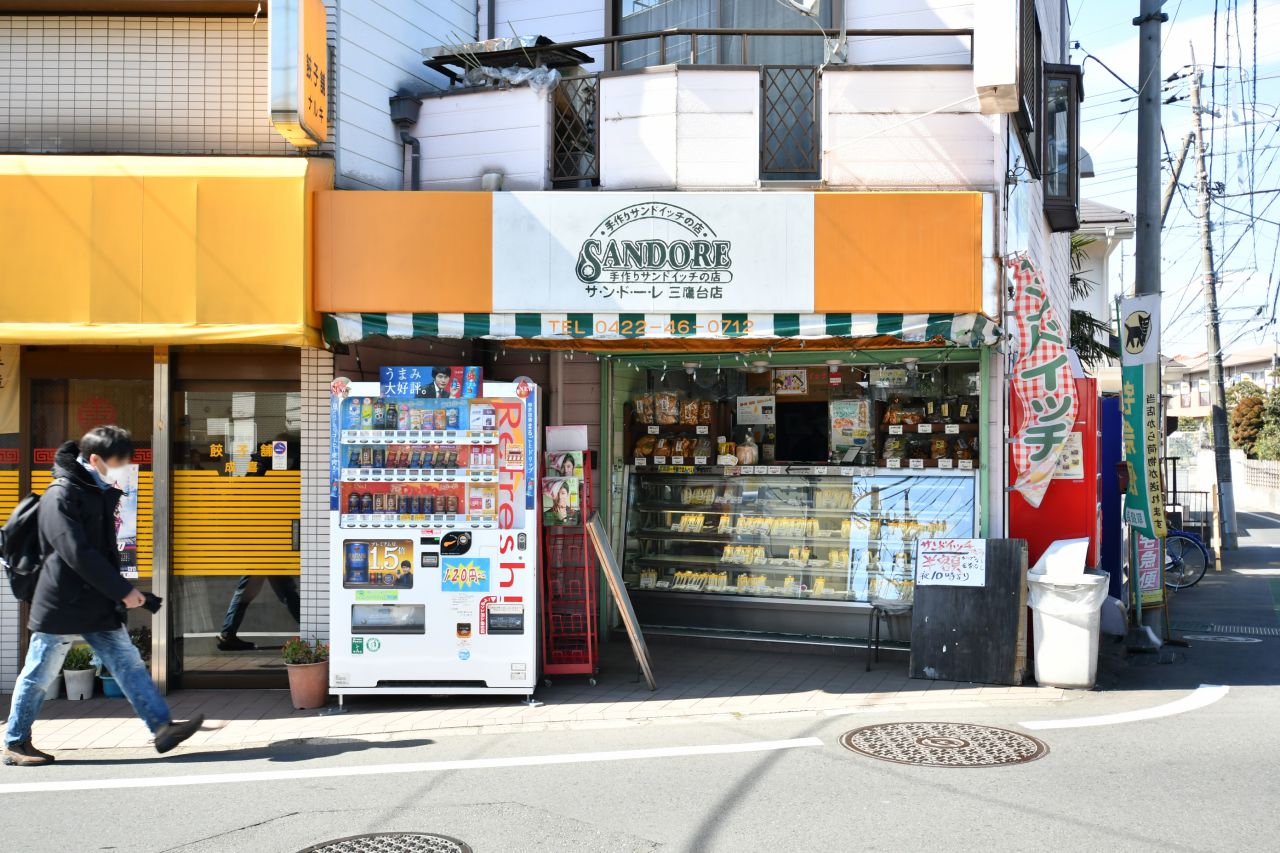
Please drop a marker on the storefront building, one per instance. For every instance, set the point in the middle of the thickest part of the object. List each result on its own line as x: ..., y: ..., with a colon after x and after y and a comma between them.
x: 773, y: 436
x: 129, y: 297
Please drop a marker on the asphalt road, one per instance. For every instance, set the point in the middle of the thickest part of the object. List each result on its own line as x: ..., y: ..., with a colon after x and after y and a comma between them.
x: 1201, y: 780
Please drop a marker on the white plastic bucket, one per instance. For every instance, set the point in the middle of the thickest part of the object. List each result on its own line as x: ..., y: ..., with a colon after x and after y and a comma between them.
x: 1066, y: 620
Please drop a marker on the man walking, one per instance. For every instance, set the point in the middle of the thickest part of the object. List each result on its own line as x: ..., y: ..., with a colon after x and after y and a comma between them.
x: 80, y: 592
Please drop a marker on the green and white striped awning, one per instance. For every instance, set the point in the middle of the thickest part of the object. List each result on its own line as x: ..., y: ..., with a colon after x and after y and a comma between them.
x: 960, y: 329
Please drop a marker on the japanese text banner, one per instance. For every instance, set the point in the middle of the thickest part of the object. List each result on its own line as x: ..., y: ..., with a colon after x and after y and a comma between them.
x: 1042, y: 383
x: 1140, y: 405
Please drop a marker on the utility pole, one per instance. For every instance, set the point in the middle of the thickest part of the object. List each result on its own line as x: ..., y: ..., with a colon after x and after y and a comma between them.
x: 1173, y: 179
x: 1221, y: 441
x: 1146, y: 254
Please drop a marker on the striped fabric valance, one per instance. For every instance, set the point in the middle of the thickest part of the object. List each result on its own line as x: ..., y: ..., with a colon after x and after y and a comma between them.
x: 961, y: 329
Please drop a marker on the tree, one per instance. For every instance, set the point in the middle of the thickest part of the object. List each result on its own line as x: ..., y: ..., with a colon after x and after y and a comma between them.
x: 1243, y: 388
x: 1247, y: 423
x: 1090, y: 336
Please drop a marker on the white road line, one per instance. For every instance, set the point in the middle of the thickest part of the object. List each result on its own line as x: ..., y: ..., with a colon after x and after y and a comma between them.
x: 416, y: 767
x: 1265, y: 573
x: 1202, y: 696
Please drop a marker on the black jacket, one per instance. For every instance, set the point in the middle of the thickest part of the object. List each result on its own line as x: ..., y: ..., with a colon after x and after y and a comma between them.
x: 80, y: 588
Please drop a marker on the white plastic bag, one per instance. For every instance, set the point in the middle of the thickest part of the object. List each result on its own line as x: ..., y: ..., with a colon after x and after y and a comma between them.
x: 1077, y: 602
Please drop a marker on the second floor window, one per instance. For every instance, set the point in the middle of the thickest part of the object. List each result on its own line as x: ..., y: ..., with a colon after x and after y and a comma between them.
x: 643, y: 16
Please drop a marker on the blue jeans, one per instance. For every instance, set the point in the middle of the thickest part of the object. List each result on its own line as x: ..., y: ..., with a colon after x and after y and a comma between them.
x: 44, y: 664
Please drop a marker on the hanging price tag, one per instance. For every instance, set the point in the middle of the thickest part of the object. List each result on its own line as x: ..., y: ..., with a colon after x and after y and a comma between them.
x: 893, y: 463
x: 653, y: 430
x: 895, y: 429
x: 916, y: 463
x: 924, y: 428
x: 953, y: 429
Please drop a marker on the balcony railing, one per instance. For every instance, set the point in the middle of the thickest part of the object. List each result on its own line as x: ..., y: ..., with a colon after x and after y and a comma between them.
x: 716, y: 46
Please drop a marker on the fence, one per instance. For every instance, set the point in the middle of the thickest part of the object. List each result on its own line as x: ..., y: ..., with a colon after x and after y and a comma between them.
x: 1260, y: 472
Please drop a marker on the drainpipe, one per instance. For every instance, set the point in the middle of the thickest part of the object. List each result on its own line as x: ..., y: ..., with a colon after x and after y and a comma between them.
x: 404, y: 114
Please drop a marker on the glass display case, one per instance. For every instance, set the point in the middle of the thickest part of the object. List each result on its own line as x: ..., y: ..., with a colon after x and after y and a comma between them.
x: 811, y: 533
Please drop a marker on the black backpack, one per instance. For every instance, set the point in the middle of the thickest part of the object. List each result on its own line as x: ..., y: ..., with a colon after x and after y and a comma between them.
x: 20, y: 547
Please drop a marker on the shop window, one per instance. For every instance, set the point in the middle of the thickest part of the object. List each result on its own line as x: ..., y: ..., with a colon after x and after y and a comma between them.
x: 789, y: 481
x: 1061, y: 162
x: 1030, y: 85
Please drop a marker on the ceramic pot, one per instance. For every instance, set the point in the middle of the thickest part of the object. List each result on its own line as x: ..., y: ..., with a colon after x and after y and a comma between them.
x: 309, y: 684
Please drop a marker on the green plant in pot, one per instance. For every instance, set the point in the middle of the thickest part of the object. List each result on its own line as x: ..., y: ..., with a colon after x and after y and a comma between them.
x: 308, y: 667
x: 77, y: 672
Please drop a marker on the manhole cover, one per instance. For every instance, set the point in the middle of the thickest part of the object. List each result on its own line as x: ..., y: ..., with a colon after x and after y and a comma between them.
x: 1219, y: 638
x: 944, y: 744
x: 391, y: 842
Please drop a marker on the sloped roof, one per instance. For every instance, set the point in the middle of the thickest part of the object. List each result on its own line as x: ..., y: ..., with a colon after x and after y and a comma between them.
x: 1098, y: 218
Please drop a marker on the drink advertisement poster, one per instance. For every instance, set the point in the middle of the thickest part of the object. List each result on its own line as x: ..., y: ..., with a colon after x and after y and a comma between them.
x: 430, y: 383
x: 850, y: 425
x: 1140, y: 407
x: 377, y: 564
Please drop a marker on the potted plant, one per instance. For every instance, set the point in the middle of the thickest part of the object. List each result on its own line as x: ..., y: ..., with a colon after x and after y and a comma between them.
x: 308, y: 667
x: 77, y: 670
x: 141, y: 639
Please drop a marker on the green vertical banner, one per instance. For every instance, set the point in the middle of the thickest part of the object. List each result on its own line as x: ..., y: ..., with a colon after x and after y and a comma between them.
x: 1140, y: 404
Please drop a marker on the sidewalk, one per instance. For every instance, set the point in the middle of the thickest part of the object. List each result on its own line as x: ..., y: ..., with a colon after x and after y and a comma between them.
x: 694, y: 683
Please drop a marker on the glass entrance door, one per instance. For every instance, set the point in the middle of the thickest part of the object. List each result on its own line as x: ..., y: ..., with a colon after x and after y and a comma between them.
x: 65, y: 409
x: 236, y: 510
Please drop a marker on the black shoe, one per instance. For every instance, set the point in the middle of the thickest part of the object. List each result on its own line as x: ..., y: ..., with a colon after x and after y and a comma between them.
x: 232, y: 643
x: 175, y: 733
x: 23, y: 754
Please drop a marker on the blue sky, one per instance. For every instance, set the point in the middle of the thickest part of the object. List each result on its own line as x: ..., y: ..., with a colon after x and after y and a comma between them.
x: 1245, y: 238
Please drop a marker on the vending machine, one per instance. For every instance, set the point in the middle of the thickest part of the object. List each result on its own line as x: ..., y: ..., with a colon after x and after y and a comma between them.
x: 434, y: 534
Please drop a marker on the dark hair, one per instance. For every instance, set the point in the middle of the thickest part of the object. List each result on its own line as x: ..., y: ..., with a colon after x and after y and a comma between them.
x: 441, y: 371
x: 107, y: 442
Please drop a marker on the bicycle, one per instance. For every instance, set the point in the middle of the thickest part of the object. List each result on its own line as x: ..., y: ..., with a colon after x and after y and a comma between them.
x: 1186, y: 558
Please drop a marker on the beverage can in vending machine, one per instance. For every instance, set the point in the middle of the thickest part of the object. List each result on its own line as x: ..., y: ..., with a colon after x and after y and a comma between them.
x: 471, y: 382
x: 357, y: 562
x: 366, y: 413
x: 379, y: 415
x: 451, y: 417
x: 440, y: 418
x: 429, y: 504
x: 354, y: 503
x: 366, y: 503
x: 402, y: 422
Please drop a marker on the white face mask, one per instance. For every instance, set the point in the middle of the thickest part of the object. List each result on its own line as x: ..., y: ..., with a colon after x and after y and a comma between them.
x: 110, y: 473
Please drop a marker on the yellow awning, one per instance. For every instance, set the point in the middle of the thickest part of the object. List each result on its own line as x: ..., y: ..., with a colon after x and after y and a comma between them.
x: 150, y: 250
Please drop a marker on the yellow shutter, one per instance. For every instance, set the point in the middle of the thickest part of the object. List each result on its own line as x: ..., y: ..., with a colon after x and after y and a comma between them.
x: 235, y: 525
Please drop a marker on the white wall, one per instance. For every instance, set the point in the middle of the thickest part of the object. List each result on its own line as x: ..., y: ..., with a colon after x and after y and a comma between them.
x: 378, y: 51
x: 560, y: 20
x: 491, y: 130
x: 875, y: 132
x: 135, y: 84
x: 689, y: 128
x: 717, y: 128
x: 638, y: 131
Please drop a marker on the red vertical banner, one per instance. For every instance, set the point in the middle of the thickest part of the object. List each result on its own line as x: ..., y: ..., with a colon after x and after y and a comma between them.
x: 1042, y: 382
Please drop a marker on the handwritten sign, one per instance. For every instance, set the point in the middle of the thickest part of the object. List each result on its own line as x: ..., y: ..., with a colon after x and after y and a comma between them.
x: 951, y: 562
